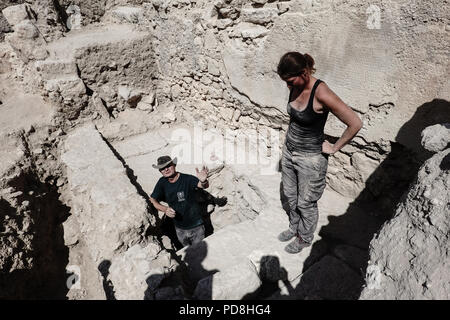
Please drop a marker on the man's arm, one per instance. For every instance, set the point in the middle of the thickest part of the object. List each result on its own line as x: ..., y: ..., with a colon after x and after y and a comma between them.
x: 168, y: 211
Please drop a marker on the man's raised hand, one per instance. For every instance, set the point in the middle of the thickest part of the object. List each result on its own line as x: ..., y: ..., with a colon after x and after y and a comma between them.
x: 203, y: 174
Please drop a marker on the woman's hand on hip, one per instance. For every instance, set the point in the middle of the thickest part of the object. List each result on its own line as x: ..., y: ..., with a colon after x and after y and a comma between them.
x: 328, y: 148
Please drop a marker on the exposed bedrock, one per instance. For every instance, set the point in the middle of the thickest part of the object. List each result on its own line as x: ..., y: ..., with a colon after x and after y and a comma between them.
x: 409, y: 257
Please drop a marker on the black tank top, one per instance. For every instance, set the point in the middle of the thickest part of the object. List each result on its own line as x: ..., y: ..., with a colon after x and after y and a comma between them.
x: 305, y: 131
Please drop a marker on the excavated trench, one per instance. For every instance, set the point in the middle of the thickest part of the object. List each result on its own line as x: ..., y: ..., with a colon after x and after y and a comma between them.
x: 232, y: 199
x: 35, y: 255
x: 32, y: 215
x: 32, y: 218
x: 36, y: 214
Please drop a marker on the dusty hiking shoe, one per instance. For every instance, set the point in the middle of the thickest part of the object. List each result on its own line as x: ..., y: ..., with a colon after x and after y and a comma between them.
x: 296, y: 245
x: 286, y: 235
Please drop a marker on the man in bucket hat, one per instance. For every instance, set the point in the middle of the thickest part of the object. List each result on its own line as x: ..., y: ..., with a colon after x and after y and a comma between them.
x: 178, y: 191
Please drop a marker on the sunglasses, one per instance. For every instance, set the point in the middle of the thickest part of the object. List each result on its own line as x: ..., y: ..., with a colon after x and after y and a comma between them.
x: 290, y: 82
x: 162, y: 169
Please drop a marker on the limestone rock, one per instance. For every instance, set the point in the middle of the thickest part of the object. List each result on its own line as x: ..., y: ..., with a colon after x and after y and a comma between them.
x: 128, y: 14
x: 169, y: 117
x: 27, y: 41
x: 15, y: 14
x: 144, y: 106
x: 259, y: 16
x: 127, y: 123
x: 124, y: 92
x: 252, y: 31
x: 70, y: 87
x: 130, y: 95
x: 239, y: 66
x: 224, y: 23
x: 282, y: 7
x: 51, y: 69
x: 229, y: 12
x: 71, y: 231
x: 149, y: 99
x: 436, y: 138
x: 175, y: 91
x: 26, y: 30
x: 364, y: 165
x: 213, y: 68
x: 132, y: 273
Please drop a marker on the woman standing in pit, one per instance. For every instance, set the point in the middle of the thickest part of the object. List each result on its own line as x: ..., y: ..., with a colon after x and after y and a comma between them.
x: 305, y: 153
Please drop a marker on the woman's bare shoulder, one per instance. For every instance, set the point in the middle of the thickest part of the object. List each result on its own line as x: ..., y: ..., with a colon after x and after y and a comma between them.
x: 328, y: 98
x: 323, y: 89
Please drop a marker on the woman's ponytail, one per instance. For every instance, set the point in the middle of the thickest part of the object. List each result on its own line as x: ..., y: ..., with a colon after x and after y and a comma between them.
x: 294, y: 63
x: 309, y: 63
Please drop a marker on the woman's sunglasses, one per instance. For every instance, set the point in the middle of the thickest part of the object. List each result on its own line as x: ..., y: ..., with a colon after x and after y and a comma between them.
x: 291, y: 82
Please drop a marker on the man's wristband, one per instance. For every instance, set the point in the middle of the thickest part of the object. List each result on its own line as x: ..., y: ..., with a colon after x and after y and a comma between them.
x: 204, y: 182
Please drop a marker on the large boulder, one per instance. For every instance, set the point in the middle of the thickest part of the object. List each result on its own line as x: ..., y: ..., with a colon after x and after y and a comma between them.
x: 436, y: 138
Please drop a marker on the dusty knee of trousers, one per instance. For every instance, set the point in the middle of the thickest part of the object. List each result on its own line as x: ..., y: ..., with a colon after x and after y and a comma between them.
x: 302, y: 205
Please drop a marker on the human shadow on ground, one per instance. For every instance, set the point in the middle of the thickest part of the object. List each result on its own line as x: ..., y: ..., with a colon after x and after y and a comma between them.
x: 346, y: 238
x: 108, y: 287
x: 270, y: 273
x: 185, y: 278
x: 208, y: 204
x: 167, y: 228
